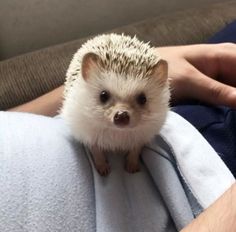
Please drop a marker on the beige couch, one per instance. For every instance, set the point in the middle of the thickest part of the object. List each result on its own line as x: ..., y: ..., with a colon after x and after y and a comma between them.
x: 30, y: 75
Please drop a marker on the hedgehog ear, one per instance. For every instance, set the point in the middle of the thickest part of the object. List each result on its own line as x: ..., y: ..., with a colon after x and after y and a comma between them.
x: 90, y: 65
x: 160, y: 71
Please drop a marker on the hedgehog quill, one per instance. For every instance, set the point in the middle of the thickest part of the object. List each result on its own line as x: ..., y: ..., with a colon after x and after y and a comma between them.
x: 116, y: 97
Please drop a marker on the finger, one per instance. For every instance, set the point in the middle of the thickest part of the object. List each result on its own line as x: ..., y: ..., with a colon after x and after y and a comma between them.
x: 226, y: 59
x: 215, y: 60
x: 206, y: 89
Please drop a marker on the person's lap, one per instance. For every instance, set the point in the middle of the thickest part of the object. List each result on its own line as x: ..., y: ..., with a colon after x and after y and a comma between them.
x: 47, y: 183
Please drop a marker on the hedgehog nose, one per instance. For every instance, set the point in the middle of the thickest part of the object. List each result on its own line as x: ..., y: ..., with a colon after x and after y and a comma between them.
x: 121, y: 118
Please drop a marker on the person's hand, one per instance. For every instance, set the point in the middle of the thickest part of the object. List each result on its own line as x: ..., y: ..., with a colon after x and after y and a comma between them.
x: 202, y: 72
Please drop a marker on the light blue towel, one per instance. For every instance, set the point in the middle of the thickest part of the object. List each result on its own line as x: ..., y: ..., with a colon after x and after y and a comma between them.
x: 47, y: 182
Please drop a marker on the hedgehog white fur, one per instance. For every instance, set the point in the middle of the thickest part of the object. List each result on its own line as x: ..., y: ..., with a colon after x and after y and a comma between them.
x: 116, y: 97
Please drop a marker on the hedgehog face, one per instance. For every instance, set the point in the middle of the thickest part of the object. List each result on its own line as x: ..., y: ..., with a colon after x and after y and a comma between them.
x: 122, y: 101
x: 127, y: 102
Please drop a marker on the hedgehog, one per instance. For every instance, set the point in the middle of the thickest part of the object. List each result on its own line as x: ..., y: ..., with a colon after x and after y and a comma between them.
x: 116, y: 98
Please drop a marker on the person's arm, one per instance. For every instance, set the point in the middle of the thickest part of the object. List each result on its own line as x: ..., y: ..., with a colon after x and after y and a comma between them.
x: 47, y: 105
x: 219, y: 217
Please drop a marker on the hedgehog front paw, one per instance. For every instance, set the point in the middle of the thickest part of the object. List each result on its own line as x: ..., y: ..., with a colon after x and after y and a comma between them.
x: 132, y: 160
x: 132, y: 167
x: 103, y: 169
x: 100, y: 161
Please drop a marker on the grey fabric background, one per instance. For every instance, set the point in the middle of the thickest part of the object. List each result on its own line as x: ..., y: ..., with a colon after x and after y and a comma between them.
x: 27, y: 25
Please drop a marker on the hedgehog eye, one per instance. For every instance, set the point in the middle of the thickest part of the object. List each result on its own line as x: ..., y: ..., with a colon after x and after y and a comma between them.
x: 104, y: 96
x: 141, y: 99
